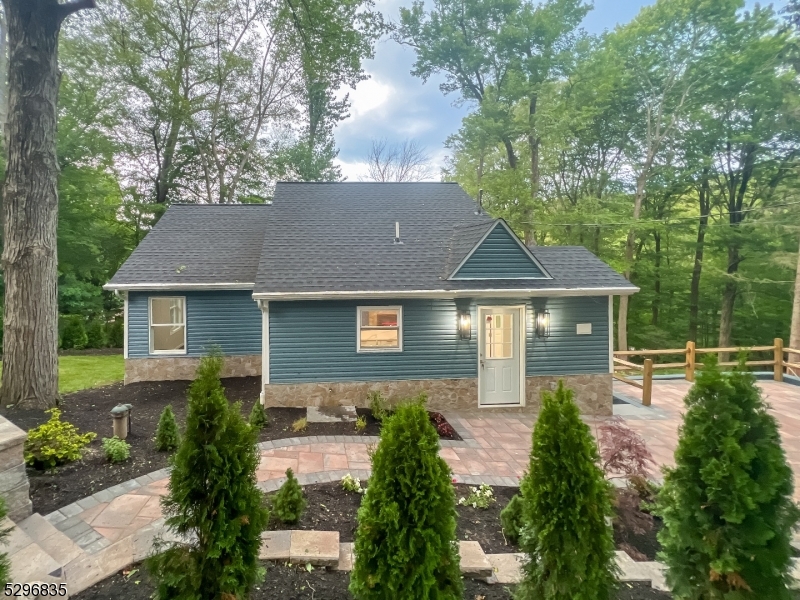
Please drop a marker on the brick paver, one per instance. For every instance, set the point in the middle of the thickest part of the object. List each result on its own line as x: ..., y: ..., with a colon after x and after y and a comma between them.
x: 495, y: 450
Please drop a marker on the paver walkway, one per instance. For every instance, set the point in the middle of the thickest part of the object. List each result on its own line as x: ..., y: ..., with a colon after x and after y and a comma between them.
x: 495, y: 451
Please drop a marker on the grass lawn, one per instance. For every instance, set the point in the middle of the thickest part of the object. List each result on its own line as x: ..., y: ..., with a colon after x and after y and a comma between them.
x: 81, y: 372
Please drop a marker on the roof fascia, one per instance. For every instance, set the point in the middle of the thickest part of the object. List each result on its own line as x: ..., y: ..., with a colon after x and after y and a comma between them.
x: 178, y: 286
x: 525, y: 249
x: 474, y: 293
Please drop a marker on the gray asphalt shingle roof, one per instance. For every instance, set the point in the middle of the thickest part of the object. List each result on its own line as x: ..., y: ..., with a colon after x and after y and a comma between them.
x: 339, y: 237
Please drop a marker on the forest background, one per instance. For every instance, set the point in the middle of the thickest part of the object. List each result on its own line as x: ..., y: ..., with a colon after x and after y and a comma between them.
x: 669, y: 146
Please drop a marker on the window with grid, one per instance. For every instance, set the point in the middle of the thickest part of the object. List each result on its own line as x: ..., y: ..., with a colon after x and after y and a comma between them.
x: 168, y: 325
x: 499, y: 331
x: 380, y: 328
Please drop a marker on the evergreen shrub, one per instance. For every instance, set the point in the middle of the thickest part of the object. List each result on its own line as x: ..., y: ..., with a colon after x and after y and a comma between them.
x: 96, y: 334
x: 511, y: 518
x: 167, y: 435
x: 258, y: 416
x: 5, y: 563
x: 116, y: 450
x: 378, y: 406
x: 289, y: 503
x: 73, y: 332
x: 727, y: 504
x: 55, y: 443
x: 115, y: 333
x: 213, y: 502
x: 565, y: 504
x: 405, y: 542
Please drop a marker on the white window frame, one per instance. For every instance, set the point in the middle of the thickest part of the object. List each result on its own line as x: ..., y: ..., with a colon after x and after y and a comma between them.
x: 150, y: 325
x: 360, y: 310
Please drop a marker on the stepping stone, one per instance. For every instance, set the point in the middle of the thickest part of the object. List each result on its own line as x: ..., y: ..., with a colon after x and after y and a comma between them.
x: 50, y: 539
x: 319, y: 548
x: 632, y: 570
x: 345, y: 557
x: 275, y: 545
x: 473, y: 561
x: 331, y: 414
x: 507, y: 568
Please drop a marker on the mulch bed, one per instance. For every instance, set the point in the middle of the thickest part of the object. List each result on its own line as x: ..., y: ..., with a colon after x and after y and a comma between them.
x: 89, y: 410
x: 296, y: 583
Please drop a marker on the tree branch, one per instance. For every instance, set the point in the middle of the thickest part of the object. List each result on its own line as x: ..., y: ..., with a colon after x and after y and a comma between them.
x: 66, y: 9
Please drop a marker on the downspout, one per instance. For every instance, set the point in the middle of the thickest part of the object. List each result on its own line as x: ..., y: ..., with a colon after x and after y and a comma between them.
x: 264, y: 306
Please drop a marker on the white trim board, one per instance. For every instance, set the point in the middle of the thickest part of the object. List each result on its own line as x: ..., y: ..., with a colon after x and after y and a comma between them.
x: 179, y: 286
x: 473, y: 293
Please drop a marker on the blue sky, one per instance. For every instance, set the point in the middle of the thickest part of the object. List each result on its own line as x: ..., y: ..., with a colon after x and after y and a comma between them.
x: 393, y: 104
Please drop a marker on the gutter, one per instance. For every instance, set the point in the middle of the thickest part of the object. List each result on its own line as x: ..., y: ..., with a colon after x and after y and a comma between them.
x: 237, y: 285
x: 476, y: 293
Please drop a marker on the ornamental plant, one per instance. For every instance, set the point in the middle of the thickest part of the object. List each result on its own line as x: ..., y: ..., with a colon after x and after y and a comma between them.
x: 116, y: 450
x: 405, y: 542
x: 289, y: 503
x: 55, y: 443
x: 479, y: 497
x: 727, y: 504
x: 511, y: 518
x: 352, y: 484
x: 565, y: 503
x: 167, y: 434
x: 258, y: 416
x: 213, y: 503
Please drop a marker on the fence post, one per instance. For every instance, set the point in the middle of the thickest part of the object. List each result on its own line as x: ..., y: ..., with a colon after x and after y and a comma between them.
x: 690, y: 357
x: 778, y: 367
x: 647, y: 381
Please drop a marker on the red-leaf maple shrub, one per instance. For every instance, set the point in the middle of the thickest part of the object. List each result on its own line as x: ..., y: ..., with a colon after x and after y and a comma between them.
x: 623, y: 452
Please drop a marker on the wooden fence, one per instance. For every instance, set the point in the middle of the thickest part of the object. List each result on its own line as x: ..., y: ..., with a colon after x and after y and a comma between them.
x: 622, y: 366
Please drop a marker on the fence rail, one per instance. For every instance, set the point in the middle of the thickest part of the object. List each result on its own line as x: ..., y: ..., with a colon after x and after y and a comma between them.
x: 623, y: 367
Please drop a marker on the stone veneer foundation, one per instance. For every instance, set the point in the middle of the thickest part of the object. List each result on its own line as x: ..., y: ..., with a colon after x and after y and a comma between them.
x: 593, y: 393
x: 14, y: 485
x: 184, y: 367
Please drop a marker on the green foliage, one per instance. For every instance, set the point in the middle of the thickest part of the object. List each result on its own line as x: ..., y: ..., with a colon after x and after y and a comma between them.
x: 406, y: 536
x: 115, y: 332
x: 73, y: 332
x: 5, y: 564
x: 213, y: 499
x: 116, y: 450
x: 352, y: 484
x: 479, y: 497
x: 361, y: 423
x: 727, y: 504
x: 55, y: 443
x: 565, y: 504
x: 289, y: 503
x: 300, y: 424
x: 511, y: 518
x: 378, y: 406
x: 96, y: 334
x: 168, y: 437
x: 258, y: 416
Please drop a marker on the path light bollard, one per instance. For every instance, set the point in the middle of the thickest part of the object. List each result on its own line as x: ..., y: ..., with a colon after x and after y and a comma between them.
x: 122, y: 420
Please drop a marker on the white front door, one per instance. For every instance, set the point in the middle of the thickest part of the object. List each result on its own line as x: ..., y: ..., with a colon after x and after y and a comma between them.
x: 500, y: 355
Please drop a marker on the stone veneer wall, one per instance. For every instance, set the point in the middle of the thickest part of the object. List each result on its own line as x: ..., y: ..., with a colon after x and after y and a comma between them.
x: 184, y: 368
x: 14, y: 486
x: 592, y: 393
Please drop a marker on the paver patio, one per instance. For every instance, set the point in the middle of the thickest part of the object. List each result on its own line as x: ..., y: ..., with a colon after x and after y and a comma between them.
x: 495, y: 450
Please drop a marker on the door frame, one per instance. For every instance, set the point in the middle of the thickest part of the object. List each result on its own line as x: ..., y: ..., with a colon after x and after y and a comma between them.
x: 523, y: 334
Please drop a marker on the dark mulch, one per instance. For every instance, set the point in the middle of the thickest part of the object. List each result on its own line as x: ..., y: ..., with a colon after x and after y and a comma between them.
x: 296, y: 583
x: 636, y: 532
x: 89, y: 410
x: 483, y: 525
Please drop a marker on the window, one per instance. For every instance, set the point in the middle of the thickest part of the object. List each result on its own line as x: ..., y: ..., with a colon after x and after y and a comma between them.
x: 380, y: 329
x: 167, y: 325
x: 499, y: 331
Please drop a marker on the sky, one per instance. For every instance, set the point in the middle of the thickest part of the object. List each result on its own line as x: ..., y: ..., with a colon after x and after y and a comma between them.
x: 395, y: 105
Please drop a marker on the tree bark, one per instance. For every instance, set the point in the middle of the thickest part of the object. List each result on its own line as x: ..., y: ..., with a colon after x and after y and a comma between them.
x: 656, y: 305
x: 699, y: 251
x: 622, y: 317
x: 794, y: 332
x: 533, y: 142
x: 728, y: 302
x: 30, y: 204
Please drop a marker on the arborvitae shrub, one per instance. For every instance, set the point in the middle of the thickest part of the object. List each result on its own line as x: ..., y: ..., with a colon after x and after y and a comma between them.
x: 73, y: 332
x: 565, y: 504
x: 213, y: 501
x: 258, y: 416
x: 289, y: 503
x: 405, y: 543
x: 5, y: 564
x: 96, y: 334
x: 511, y: 518
x: 167, y: 435
x: 727, y: 504
x: 115, y: 332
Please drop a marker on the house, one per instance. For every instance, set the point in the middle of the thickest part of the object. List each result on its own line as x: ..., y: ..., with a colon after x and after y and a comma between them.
x: 337, y: 289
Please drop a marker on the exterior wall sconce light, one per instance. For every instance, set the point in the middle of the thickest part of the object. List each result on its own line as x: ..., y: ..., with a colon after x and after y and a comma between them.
x: 464, y: 325
x: 542, y: 323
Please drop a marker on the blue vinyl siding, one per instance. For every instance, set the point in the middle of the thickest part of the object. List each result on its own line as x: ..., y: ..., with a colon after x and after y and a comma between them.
x: 499, y: 256
x: 228, y: 319
x: 316, y: 341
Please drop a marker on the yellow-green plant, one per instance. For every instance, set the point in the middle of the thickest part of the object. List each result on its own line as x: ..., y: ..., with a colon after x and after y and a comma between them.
x: 300, y: 425
x: 116, y: 450
x: 361, y: 423
x: 55, y: 443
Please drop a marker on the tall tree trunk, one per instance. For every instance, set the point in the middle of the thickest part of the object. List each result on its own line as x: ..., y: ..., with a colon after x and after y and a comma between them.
x: 728, y: 302
x: 622, y: 316
x: 794, y: 331
x: 512, y: 157
x: 30, y: 204
x: 656, y: 305
x: 533, y: 142
x: 165, y: 175
x: 704, y: 195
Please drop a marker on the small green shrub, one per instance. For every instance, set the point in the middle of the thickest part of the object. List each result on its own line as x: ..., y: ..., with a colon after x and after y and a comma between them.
x: 55, y: 443
x: 258, y: 416
x: 167, y: 435
x: 479, y: 497
x: 300, y: 424
x: 115, y: 332
x: 73, y: 332
x: 511, y: 519
x: 96, y: 334
x: 378, y: 406
x: 116, y: 450
x: 289, y: 503
x: 361, y: 423
x: 352, y: 484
